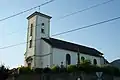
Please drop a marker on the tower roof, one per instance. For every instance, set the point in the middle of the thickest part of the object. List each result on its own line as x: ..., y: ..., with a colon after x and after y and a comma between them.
x: 40, y: 14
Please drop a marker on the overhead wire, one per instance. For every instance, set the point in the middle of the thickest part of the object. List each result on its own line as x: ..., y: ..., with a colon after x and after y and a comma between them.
x: 87, y: 26
x: 91, y: 25
x: 26, y: 10
x: 79, y: 11
x: 88, y: 8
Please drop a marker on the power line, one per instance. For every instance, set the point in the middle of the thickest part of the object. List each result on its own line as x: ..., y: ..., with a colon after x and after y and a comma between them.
x: 65, y: 32
x: 26, y: 10
x: 17, y: 44
x: 88, y: 8
x: 13, y: 45
x: 87, y: 26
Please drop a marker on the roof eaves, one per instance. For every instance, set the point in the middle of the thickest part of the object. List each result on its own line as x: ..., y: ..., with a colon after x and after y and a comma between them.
x: 75, y: 50
x: 40, y: 14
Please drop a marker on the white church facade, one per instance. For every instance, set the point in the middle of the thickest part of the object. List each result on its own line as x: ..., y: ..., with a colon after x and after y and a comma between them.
x: 42, y: 50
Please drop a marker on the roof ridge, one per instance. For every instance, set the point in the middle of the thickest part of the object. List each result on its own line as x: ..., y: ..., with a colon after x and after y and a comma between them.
x: 72, y: 43
x: 58, y: 43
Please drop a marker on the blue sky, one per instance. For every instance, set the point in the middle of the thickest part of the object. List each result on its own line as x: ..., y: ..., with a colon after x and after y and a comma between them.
x: 104, y: 37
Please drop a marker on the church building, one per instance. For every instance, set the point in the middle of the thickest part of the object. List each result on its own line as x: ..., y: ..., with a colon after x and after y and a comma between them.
x: 43, y: 51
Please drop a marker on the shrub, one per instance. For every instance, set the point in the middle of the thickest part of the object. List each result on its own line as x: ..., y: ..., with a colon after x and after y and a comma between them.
x: 86, y: 62
x: 4, y: 72
x: 38, y: 70
x: 84, y: 67
x: 63, y: 70
x: 111, y: 70
x: 24, y: 70
x: 117, y: 72
x: 55, y: 69
x: 47, y: 70
x: 71, y: 68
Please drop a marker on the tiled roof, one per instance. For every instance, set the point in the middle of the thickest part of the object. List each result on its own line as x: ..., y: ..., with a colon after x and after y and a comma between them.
x: 72, y: 47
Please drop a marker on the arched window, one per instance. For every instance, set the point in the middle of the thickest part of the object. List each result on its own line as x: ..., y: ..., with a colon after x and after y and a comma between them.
x: 68, y: 59
x: 94, y: 61
x: 82, y: 58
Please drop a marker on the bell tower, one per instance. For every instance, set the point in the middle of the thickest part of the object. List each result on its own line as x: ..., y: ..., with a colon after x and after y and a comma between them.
x: 38, y: 27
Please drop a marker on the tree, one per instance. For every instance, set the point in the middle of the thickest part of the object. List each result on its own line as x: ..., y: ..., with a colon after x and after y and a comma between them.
x: 4, y: 72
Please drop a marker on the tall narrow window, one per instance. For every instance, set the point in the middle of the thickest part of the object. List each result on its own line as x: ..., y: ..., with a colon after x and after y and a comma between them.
x: 30, y: 44
x: 31, y: 29
x: 95, y: 62
x: 68, y: 59
x: 43, y: 28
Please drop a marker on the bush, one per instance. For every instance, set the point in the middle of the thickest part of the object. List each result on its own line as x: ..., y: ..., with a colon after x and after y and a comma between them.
x: 62, y: 70
x: 91, y: 68
x: 4, y: 72
x: 85, y: 68
x: 55, y: 69
x: 86, y: 62
x: 47, y: 70
x: 24, y: 70
x: 111, y: 70
x: 38, y: 70
x: 72, y: 68
x: 116, y: 72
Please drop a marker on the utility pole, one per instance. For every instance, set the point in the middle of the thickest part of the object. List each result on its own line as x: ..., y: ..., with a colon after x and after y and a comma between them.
x: 78, y: 58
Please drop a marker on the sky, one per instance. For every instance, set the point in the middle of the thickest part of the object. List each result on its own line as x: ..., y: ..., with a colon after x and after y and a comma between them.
x: 104, y: 37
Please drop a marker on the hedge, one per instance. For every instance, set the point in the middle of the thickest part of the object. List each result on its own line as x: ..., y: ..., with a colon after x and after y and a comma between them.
x: 73, y: 68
